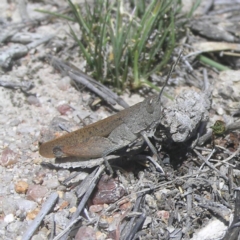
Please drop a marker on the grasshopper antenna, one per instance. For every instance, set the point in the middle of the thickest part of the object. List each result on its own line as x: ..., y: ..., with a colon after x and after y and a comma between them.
x: 169, y: 74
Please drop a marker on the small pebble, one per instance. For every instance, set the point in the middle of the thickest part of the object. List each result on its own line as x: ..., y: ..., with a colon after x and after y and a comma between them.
x: 8, y: 206
x: 32, y: 215
x: 26, y: 129
x: 33, y: 100
x: 63, y: 205
x: 21, y: 187
x: 102, y: 236
x: 150, y: 201
x: 160, y: 193
x: 114, y: 222
x: 38, y: 179
x: 147, y: 222
x: 220, y: 111
x: 64, y: 83
x: 61, y: 218
x: 9, y: 218
x: 26, y: 205
x: 8, y: 157
x: 72, y: 209
x: 60, y: 194
x: 21, y: 215
x: 96, y: 208
x: 64, y: 109
x: 40, y: 236
x: 14, y: 122
x: 86, y: 233
x: 52, y: 183
x: 103, y: 222
x: 108, y: 191
x: 62, y: 175
x: 14, y: 227
x: 36, y: 193
x: 62, y: 188
x: 71, y: 198
x: 163, y: 215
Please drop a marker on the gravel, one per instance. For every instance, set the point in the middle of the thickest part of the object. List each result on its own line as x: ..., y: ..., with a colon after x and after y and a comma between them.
x: 26, y: 117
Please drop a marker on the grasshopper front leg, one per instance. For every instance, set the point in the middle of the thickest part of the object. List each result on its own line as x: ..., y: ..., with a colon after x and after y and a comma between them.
x: 154, y: 151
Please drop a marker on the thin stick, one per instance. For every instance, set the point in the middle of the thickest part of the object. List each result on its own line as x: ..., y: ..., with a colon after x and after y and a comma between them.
x: 67, y: 228
x: 47, y: 206
x: 209, y: 164
x: 78, y: 76
x: 83, y: 201
x: 206, y: 160
x: 177, y: 179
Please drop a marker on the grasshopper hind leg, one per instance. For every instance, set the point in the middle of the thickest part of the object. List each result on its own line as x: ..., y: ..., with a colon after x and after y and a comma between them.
x: 106, y: 153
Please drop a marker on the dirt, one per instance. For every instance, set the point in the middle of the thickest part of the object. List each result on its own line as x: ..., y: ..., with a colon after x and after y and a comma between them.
x: 186, y: 203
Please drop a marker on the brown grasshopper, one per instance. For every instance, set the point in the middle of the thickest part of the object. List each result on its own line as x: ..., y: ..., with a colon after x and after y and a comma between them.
x: 110, y: 134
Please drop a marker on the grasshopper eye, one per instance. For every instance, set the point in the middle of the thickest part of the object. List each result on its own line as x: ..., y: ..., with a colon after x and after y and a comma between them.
x: 149, y: 106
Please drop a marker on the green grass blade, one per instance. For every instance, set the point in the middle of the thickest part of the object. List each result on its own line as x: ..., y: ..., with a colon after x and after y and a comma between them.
x: 59, y: 15
x: 211, y: 63
x: 79, y: 18
x: 83, y: 49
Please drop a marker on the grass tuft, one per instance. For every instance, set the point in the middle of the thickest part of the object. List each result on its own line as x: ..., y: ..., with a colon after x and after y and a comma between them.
x: 124, y: 42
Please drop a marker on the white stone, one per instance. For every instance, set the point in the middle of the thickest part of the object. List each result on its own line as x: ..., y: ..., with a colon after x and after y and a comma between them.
x: 9, y: 218
x: 213, y: 231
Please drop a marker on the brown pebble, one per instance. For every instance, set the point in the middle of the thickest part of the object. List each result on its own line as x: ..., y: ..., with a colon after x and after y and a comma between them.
x: 100, y: 235
x: 38, y: 179
x: 113, y: 235
x: 86, y: 233
x: 108, y: 191
x: 63, y: 205
x: 9, y: 157
x: 32, y: 215
x: 96, y: 208
x: 163, y: 215
x: 109, y: 219
x: 36, y: 193
x: 21, y: 187
x: 64, y: 108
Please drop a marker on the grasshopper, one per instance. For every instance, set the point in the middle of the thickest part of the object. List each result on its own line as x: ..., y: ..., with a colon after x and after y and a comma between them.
x: 110, y: 134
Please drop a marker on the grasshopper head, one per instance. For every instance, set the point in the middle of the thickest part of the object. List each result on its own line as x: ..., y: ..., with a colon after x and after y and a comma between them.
x: 152, y: 110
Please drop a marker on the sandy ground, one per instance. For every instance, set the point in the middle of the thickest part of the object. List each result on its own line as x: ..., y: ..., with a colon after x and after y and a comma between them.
x: 26, y: 116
